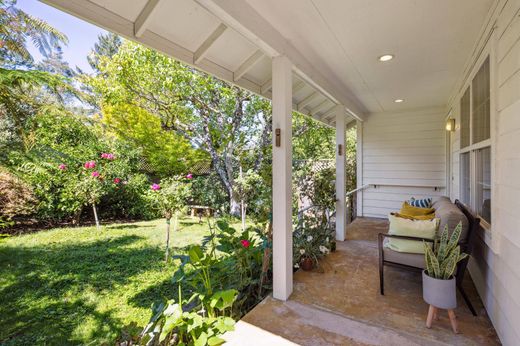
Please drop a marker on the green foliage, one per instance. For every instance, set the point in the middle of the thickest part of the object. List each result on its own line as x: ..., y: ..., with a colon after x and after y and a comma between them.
x: 165, y: 152
x: 222, y: 120
x: 171, y: 195
x: 317, y: 185
x: 79, y: 286
x: 441, y: 262
x: 312, y: 139
x: 108, y: 44
x: 224, y: 278
x: 313, y: 236
x: 174, y: 324
x: 17, y: 26
x: 208, y: 191
x: 247, y: 184
x: 56, y: 137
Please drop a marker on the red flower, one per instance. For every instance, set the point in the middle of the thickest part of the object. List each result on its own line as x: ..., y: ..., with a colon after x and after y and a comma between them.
x: 95, y: 174
x: 62, y: 166
x: 245, y: 243
x: 117, y: 180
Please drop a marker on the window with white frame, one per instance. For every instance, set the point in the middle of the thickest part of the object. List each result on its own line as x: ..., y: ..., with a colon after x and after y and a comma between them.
x: 475, y: 142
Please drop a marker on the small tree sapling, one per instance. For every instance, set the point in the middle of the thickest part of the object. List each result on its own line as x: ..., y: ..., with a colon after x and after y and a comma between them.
x: 170, y: 197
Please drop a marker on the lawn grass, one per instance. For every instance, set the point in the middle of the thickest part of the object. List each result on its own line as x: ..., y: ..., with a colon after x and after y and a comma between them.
x: 84, y: 286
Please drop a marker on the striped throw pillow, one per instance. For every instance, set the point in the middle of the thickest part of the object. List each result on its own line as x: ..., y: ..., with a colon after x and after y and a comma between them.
x: 421, y: 203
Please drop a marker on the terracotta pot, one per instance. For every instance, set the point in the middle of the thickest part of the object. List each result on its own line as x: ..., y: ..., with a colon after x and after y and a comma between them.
x: 306, y: 264
x: 439, y: 293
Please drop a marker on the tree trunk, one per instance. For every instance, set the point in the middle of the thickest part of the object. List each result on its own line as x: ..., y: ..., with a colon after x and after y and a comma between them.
x: 234, y: 204
x: 95, y: 215
x: 167, y: 254
x: 243, y: 212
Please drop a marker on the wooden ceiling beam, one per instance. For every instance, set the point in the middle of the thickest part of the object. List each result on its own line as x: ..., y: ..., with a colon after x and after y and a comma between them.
x: 248, y: 64
x: 308, y: 100
x: 200, y: 53
x: 143, y: 19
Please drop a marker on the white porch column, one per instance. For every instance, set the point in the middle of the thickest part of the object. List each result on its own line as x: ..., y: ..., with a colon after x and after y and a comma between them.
x: 282, y: 174
x: 341, y: 210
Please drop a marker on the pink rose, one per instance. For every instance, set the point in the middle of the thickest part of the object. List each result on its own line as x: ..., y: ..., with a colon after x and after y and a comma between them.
x: 95, y: 174
x: 156, y: 187
x: 117, y: 180
x: 245, y: 243
x: 90, y: 164
x: 62, y: 166
x: 189, y: 176
x: 107, y: 156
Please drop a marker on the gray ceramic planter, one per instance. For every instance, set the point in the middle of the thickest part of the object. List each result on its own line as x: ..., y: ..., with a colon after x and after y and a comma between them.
x: 439, y: 293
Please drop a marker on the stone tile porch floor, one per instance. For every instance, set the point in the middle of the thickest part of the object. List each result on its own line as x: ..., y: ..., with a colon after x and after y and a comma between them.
x: 342, y: 305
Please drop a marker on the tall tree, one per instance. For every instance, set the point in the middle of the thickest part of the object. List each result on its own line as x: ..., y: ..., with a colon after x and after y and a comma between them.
x: 166, y: 153
x: 20, y: 88
x: 16, y: 27
x: 221, y: 119
x: 107, y: 46
x: 54, y: 63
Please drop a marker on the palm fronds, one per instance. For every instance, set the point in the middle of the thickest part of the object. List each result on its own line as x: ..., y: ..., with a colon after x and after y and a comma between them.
x: 17, y: 27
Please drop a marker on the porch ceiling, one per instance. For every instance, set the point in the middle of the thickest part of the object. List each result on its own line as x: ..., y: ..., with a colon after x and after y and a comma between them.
x: 333, y: 45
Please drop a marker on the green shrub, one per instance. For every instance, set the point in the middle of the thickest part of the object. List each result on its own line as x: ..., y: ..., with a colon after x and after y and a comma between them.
x: 223, y: 280
x: 313, y: 237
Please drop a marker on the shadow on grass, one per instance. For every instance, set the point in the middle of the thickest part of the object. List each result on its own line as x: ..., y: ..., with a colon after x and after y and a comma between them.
x: 43, y: 289
x: 127, y: 226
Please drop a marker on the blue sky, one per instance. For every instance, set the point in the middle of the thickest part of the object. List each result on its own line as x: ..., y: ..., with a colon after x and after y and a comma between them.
x: 82, y: 35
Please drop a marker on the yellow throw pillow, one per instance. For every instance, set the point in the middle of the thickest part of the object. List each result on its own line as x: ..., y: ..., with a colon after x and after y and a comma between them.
x: 410, y: 210
x: 418, y: 217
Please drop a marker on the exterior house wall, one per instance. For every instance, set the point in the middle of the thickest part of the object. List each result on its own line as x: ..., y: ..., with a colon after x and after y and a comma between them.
x: 408, y: 148
x: 404, y: 155
x: 494, y: 266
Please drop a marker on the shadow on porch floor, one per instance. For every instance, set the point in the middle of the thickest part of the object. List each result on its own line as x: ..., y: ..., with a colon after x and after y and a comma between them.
x: 342, y: 306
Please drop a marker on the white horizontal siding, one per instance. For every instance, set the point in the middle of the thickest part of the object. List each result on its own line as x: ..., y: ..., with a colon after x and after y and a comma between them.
x: 406, y: 151
x: 494, y: 266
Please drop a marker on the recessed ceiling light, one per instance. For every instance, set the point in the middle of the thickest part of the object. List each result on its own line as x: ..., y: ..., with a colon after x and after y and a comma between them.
x: 386, y: 57
x: 398, y: 100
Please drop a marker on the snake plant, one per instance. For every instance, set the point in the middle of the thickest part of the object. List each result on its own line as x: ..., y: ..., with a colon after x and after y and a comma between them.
x: 441, y: 261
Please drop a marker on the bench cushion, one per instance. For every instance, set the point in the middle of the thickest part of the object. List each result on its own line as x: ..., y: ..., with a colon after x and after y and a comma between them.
x: 411, y: 259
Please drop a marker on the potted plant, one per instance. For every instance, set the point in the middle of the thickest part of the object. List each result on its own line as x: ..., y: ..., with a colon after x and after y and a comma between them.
x: 312, y: 239
x: 439, y: 285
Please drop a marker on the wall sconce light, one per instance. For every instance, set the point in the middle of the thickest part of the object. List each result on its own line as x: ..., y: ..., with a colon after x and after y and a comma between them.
x: 450, y: 125
x: 278, y: 137
x: 340, y: 150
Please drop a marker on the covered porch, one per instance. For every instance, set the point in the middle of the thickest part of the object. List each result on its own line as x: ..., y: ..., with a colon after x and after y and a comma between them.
x: 342, y: 305
x: 398, y: 71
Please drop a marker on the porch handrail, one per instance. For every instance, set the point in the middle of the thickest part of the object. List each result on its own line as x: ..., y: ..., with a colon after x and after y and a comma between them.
x: 358, y: 189
x: 435, y: 187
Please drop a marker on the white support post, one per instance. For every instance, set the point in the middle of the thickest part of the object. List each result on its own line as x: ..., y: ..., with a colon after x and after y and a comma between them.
x: 359, y: 167
x: 282, y: 176
x: 341, y: 207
